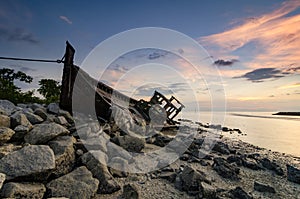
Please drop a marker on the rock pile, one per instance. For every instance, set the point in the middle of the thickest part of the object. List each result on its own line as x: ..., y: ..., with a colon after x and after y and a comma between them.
x: 44, y: 155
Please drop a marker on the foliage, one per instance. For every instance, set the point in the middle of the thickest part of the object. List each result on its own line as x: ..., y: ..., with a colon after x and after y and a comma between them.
x: 50, y: 89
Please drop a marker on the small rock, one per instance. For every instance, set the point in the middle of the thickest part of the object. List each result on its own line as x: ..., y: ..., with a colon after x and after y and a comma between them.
x: 271, y: 165
x: 130, y: 191
x: 5, y: 134
x: 42, y: 133
x: 33, y: 118
x: 64, y: 154
x: 41, y: 112
x: 8, y: 148
x: 53, y: 108
x: 170, y: 176
x: 239, y: 193
x: 61, y: 120
x: 221, y: 148
x: 118, y: 167
x: 7, y: 106
x: 129, y: 143
x: 95, y: 162
x: 20, y: 132
x: 2, y: 179
x: 251, y: 164
x: 35, y: 106
x: 226, y: 170
x: 32, y: 162
x: 208, y: 191
x: 4, y: 121
x: 23, y: 190
x: 293, y: 174
x: 67, y: 116
x: 263, y: 188
x: 76, y: 185
x: 19, y: 118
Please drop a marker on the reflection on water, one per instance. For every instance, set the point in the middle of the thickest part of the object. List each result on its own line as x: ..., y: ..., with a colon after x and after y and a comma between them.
x: 278, y: 133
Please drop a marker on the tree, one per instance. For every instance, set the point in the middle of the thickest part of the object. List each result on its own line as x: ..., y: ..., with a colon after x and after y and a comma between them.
x: 50, y: 89
x: 8, y: 89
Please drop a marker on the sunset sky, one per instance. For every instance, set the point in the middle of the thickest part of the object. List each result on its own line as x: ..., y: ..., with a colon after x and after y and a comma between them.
x: 255, y: 46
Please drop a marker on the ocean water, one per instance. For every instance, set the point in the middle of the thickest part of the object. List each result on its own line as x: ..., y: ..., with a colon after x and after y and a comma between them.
x: 278, y: 133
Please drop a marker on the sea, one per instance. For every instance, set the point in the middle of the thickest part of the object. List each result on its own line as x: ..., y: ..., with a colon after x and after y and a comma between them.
x: 275, y: 132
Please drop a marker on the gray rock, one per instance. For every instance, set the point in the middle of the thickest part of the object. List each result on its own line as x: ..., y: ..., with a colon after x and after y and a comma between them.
x: 42, y: 133
x: 208, y: 191
x: 7, y: 106
x: 32, y: 162
x: 66, y: 115
x: 239, y: 193
x: 20, y: 132
x: 77, y: 184
x: 98, y: 143
x: 2, y: 179
x: 33, y: 119
x: 61, y: 120
x: 35, y: 106
x: 130, y: 191
x: 221, y: 148
x: 224, y: 169
x: 114, y: 150
x: 191, y: 179
x: 94, y: 161
x: 271, y: 165
x: 19, y: 118
x: 64, y: 154
x: 53, y: 108
x: 129, y: 143
x: 3, y: 112
x: 4, y: 121
x: 23, y: 190
x: 5, y: 134
x: 118, y: 167
x: 41, y: 112
x: 263, y: 187
x: 293, y: 174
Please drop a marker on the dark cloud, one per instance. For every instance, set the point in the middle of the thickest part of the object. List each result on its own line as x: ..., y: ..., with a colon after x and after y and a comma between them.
x: 221, y: 62
x: 18, y: 34
x: 117, y: 67
x: 24, y: 69
x: 262, y: 74
x: 272, y: 96
x: 148, y: 90
x: 293, y: 69
x: 157, y: 54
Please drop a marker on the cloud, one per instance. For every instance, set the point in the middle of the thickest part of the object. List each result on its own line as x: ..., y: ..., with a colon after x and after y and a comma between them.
x: 18, y: 34
x: 221, y: 62
x: 261, y: 74
x: 25, y: 69
x: 157, y: 54
x: 276, y: 35
x: 118, y: 68
x: 295, y: 85
x: 66, y: 19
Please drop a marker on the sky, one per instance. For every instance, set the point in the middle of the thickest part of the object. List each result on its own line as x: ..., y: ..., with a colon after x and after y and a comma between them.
x: 251, y: 49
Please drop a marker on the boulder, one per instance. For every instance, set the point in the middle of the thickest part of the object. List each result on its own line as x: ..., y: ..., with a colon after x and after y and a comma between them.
x: 23, y: 190
x: 271, y: 165
x: 114, y: 150
x: 263, y: 187
x: 41, y: 112
x: 293, y: 174
x: 4, y: 121
x: 53, y: 108
x: 208, y: 191
x: 35, y: 106
x: 118, y: 167
x: 42, y: 133
x: 239, y: 193
x: 2, y: 179
x: 94, y: 160
x: 5, y: 134
x: 31, y: 162
x: 224, y: 169
x: 76, y: 185
x: 251, y: 164
x: 66, y: 115
x: 130, y: 191
x: 33, y: 118
x: 7, y: 106
x: 129, y: 143
x: 221, y: 148
x: 19, y: 118
x: 64, y: 154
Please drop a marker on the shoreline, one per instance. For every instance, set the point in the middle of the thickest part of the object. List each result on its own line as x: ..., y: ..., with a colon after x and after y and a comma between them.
x: 52, y: 155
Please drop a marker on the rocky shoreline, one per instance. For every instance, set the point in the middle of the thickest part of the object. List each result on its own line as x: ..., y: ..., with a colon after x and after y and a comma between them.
x: 43, y: 155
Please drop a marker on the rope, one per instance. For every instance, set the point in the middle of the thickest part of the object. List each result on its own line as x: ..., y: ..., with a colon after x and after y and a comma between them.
x: 33, y: 60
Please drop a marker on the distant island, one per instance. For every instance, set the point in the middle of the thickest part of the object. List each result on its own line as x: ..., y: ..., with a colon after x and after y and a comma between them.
x: 288, y: 113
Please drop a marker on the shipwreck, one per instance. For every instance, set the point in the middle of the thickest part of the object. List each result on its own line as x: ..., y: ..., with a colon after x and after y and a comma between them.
x: 159, y: 108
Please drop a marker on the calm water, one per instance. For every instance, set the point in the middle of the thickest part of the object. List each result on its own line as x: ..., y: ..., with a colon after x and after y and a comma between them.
x: 278, y: 133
